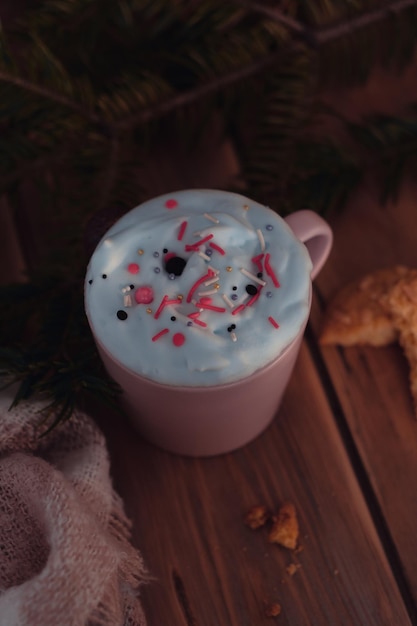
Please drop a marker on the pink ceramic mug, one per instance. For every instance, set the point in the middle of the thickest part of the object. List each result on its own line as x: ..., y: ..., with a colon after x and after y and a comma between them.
x: 214, y: 419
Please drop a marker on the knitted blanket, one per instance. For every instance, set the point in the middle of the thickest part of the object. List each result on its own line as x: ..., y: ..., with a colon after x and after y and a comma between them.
x: 65, y: 552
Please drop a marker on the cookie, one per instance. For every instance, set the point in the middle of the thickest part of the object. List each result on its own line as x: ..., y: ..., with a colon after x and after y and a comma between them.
x: 401, y: 301
x: 360, y: 314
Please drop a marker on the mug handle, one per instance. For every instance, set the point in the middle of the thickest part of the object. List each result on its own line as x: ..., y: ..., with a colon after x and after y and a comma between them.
x: 315, y: 233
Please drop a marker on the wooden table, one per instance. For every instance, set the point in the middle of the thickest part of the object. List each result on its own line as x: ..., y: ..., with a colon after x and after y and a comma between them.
x: 342, y: 448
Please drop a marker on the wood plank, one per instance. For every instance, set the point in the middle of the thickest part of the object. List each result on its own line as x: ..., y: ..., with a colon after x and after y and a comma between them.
x: 372, y: 383
x: 210, y: 569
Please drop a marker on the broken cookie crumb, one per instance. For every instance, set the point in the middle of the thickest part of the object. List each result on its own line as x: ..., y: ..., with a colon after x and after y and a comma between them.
x: 285, y: 530
x: 256, y: 517
x: 292, y: 568
x: 273, y: 610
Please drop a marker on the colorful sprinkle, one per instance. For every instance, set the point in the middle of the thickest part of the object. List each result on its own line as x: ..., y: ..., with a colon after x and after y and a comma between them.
x: 258, y: 261
x: 144, y: 295
x: 261, y: 239
x: 228, y: 300
x: 211, y: 307
x: 161, y: 333
x: 156, y: 254
x: 203, y: 256
x: 133, y: 268
x: 234, y: 296
x: 246, y: 207
x: 270, y: 271
x: 273, y: 322
x: 238, y: 309
x: 122, y: 315
x: 251, y: 289
x: 127, y: 300
x: 217, y: 248
x: 149, y: 310
x: 197, y: 244
x: 140, y: 252
x: 211, y: 218
x: 269, y: 227
x: 254, y: 298
x: 199, y: 282
x: 178, y: 339
x: 182, y: 230
x: 211, y: 281
x: 209, y: 292
x: 171, y: 203
x: 252, y: 276
x: 156, y: 270
x: 229, y: 269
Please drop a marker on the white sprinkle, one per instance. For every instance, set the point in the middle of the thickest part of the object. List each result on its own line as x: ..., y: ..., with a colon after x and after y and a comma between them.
x: 108, y: 242
x: 211, y: 218
x: 209, y: 292
x: 253, y: 277
x: 193, y: 301
x: 233, y: 336
x: 213, y: 269
x: 211, y: 281
x: 228, y: 300
x: 127, y: 300
x: 261, y: 239
x: 197, y: 233
x: 203, y: 256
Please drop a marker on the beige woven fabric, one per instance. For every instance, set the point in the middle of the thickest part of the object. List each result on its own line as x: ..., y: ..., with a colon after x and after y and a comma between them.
x: 65, y: 554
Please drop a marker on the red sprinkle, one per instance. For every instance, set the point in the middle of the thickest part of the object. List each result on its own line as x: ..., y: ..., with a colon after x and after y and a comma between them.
x: 133, y: 268
x: 273, y: 322
x: 199, y: 282
x: 254, y: 298
x: 171, y: 204
x: 161, y: 307
x: 270, y: 271
x: 160, y: 334
x: 182, y: 231
x: 258, y: 261
x: 197, y: 244
x: 238, y: 309
x: 199, y: 322
x: 210, y: 307
x: 144, y: 295
x: 217, y: 248
x: 178, y: 339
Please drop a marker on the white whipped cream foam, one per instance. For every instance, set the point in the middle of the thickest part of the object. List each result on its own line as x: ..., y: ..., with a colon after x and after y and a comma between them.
x: 198, y: 288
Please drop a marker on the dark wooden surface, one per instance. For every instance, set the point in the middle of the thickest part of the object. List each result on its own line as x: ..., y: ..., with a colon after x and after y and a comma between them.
x: 342, y: 448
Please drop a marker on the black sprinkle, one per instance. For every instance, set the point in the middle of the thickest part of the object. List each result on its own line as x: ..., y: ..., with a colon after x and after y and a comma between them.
x: 90, y: 282
x: 104, y: 275
x: 132, y: 286
x: 234, y: 288
x: 175, y: 265
x: 259, y: 274
x: 165, y: 250
x: 233, y: 326
x: 251, y: 290
x: 122, y: 315
x: 173, y: 318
